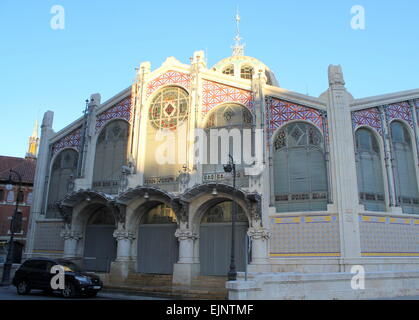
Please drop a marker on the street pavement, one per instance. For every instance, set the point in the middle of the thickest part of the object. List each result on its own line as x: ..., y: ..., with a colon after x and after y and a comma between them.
x: 9, y: 293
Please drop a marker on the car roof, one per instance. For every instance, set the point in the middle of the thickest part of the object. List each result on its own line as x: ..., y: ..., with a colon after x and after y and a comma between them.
x: 40, y: 259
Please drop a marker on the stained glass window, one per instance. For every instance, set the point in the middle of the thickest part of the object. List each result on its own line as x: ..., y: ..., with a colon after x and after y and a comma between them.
x: 169, y: 108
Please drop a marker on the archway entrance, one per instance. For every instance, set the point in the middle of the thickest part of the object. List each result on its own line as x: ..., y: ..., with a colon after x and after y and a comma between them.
x: 215, y: 240
x: 100, y: 244
x: 157, y: 245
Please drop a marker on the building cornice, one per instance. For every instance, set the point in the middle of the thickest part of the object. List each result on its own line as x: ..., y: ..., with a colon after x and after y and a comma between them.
x: 291, y: 96
x: 376, y: 101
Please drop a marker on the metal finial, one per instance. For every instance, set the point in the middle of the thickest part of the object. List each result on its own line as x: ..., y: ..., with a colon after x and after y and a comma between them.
x: 238, y: 48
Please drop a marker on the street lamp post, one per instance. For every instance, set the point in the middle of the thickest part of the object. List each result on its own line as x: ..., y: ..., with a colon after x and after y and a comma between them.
x: 7, y: 267
x: 232, y: 273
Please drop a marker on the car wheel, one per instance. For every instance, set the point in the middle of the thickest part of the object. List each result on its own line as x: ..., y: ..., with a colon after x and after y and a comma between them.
x: 69, y: 290
x: 23, y: 287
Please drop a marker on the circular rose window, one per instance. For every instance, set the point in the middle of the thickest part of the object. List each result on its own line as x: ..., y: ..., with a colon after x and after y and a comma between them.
x: 169, y: 108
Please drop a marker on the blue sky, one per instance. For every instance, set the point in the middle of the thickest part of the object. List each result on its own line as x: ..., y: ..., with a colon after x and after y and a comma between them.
x: 103, y: 41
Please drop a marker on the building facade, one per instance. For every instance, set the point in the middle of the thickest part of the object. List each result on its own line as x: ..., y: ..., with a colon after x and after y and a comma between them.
x: 136, y: 185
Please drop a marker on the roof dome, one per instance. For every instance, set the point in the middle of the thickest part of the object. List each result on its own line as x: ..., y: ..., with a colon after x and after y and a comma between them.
x: 244, y: 67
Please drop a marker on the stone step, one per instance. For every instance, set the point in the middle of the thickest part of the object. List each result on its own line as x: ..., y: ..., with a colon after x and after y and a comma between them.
x: 209, y: 281
x: 176, y: 292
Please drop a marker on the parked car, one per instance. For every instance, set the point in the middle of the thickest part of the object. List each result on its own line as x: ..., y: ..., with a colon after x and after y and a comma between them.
x: 36, y: 274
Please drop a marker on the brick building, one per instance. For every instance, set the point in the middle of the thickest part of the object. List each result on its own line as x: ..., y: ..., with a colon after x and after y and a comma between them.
x: 25, y: 167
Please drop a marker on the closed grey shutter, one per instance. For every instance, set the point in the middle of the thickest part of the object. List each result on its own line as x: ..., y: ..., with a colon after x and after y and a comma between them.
x: 100, y: 248
x: 157, y: 248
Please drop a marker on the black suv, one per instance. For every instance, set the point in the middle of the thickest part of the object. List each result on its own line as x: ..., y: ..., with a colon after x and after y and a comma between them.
x: 36, y: 274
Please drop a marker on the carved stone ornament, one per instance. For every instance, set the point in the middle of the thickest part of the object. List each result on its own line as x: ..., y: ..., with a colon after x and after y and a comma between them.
x: 123, y: 235
x: 259, y: 234
x: 185, y: 234
x: 119, y: 211
x: 70, y: 235
x: 181, y: 209
x: 336, y: 75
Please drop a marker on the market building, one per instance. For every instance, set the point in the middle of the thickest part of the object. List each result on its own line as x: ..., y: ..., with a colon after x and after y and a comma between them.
x: 335, y: 184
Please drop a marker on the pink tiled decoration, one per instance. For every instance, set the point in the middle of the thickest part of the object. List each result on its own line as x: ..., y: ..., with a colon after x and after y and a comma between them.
x: 400, y: 111
x: 121, y: 110
x: 72, y: 140
x: 170, y: 77
x: 282, y: 112
x: 215, y: 93
x: 368, y: 117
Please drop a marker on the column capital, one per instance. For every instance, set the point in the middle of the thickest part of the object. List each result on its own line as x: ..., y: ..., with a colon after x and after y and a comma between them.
x: 123, y: 235
x: 71, y: 235
x: 259, y: 233
x: 185, y: 234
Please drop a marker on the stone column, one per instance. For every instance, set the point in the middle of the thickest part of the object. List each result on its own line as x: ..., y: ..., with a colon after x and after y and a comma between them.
x: 342, y: 153
x: 40, y: 183
x: 71, y: 239
x: 185, y: 269
x: 260, y: 238
x: 388, y: 158
x: 124, y: 239
x: 87, y: 155
x: 415, y: 124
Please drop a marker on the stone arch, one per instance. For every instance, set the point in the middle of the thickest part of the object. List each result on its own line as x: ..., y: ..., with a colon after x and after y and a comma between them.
x: 144, y: 248
x: 141, y: 199
x: 201, y: 198
x: 61, y: 171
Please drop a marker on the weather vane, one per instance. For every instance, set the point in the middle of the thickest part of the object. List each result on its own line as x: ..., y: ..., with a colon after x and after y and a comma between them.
x: 238, y: 48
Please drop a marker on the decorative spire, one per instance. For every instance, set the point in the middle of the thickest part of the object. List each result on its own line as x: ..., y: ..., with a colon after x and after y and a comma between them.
x: 238, y: 47
x: 33, y: 142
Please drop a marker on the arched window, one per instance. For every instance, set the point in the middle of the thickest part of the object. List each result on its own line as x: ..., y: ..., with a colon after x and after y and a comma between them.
x: 300, y: 178
x: 160, y: 214
x: 246, y: 72
x: 110, y: 156
x: 166, y: 129
x: 369, y: 171
x: 228, y: 117
x: 229, y: 70
x: 405, y: 169
x: 64, y: 169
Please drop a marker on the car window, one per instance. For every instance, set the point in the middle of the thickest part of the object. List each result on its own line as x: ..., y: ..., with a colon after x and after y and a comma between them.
x: 69, y: 266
